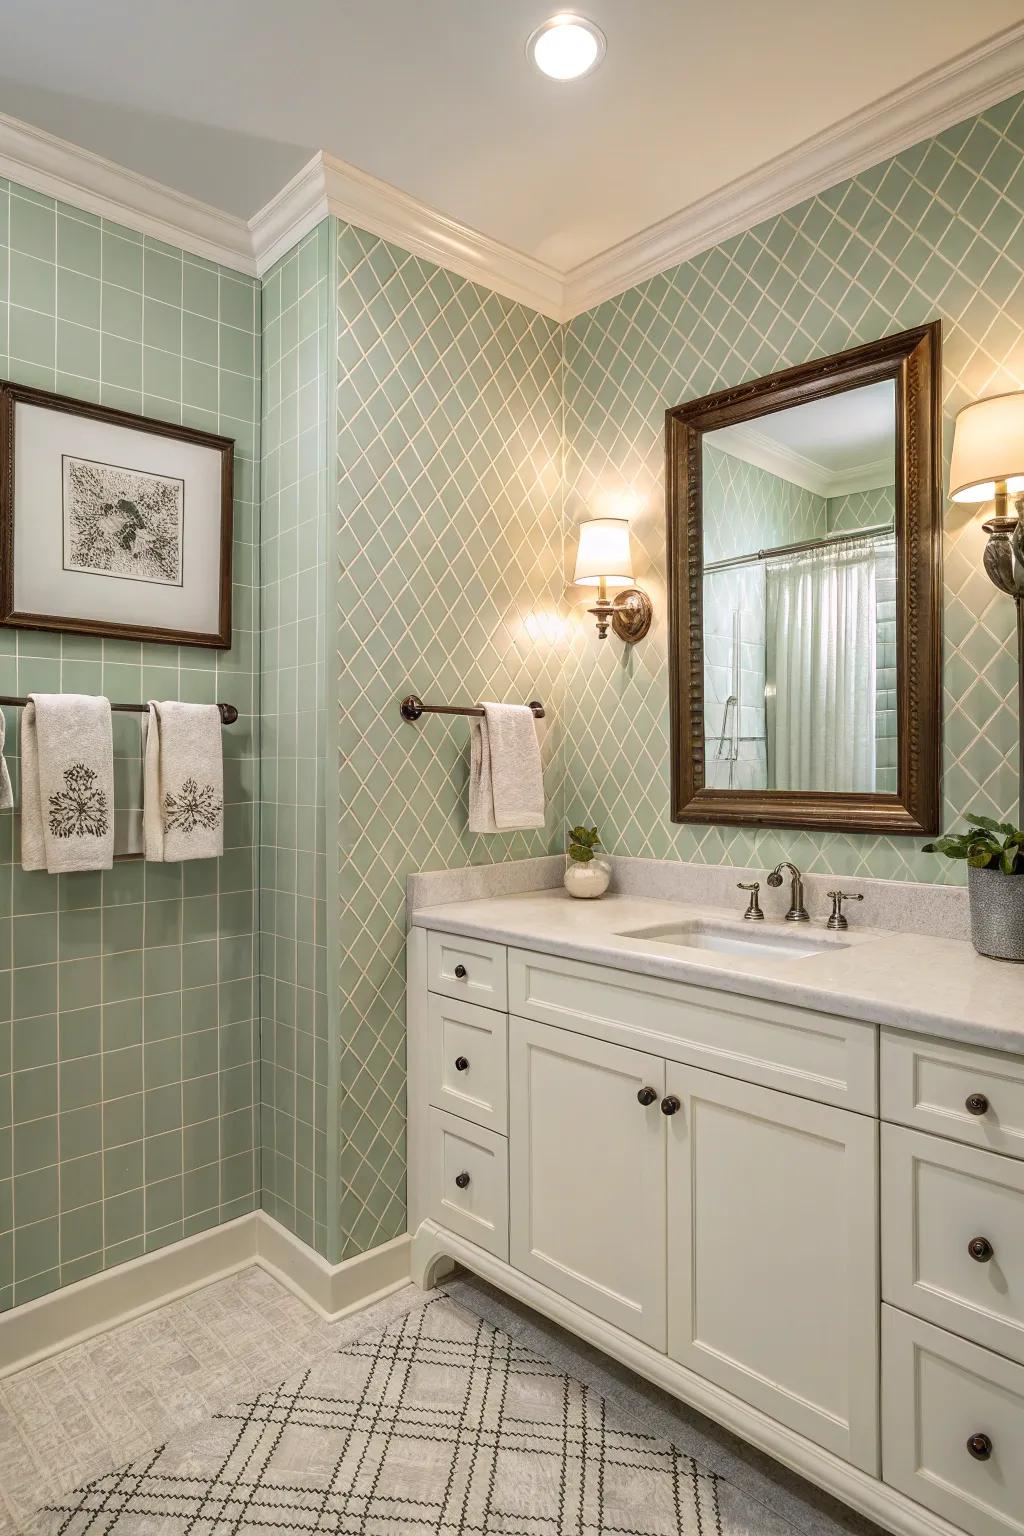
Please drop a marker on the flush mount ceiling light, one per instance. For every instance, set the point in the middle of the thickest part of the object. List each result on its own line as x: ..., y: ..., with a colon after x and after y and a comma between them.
x: 566, y: 47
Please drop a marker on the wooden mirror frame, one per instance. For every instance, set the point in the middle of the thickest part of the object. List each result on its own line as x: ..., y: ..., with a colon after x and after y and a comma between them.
x: 912, y: 360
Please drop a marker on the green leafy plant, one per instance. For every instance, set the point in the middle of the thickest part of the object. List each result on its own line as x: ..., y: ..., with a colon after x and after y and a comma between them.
x: 988, y: 844
x: 582, y: 842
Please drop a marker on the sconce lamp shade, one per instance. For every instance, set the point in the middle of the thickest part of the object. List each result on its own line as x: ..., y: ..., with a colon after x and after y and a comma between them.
x: 604, y: 553
x: 988, y: 447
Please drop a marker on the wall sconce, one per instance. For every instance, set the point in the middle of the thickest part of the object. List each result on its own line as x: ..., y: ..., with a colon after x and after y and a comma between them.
x: 988, y: 465
x: 604, y: 557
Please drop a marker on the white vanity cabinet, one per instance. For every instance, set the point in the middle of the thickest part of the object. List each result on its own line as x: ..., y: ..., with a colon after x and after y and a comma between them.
x: 709, y: 1187
x: 773, y: 1255
x: 587, y: 1174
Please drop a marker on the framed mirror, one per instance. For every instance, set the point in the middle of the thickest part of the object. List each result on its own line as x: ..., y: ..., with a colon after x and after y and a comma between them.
x: 805, y: 576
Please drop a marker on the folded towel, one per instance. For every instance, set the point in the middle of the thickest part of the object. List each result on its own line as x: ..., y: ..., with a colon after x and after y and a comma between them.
x: 6, y: 793
x: 506, y: 785
x: 183, y: 800
x: 67, y: 783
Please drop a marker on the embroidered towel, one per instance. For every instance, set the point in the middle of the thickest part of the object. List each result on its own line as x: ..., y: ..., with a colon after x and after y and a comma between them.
x: 6, y: 793
x: 506, y: 786
x: 67, y: 783
x: 183, y: 796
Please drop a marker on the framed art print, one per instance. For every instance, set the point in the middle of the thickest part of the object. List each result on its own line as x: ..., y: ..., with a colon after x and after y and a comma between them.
x: 112, y: 524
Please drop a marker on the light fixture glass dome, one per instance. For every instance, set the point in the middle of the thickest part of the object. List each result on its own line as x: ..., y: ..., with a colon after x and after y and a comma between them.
x: 566, y: 47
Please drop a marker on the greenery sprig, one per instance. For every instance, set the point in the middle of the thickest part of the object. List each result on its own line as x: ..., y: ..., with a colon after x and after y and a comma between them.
x: 989, y: 844
x: 582, y: 842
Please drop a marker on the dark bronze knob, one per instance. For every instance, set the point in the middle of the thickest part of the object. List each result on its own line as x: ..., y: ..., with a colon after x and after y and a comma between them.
x: 671, y: 1105
x: 462, y: 1180
x: 647, y: 1096
x: 460, y: 972
x: 976, y: 1104
x: 980, y: 1447
x: 462, y: 1063
x: 981, y: 1249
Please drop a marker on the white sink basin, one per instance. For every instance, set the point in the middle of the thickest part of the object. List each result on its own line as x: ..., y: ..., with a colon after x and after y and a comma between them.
x: 729, y: 939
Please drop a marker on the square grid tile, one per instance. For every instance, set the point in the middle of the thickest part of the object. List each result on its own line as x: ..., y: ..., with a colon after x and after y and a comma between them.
x: 127, y: 998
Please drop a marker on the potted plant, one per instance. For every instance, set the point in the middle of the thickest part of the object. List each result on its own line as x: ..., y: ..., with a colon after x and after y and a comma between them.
x: 586, y: 874
x: 994, y: 851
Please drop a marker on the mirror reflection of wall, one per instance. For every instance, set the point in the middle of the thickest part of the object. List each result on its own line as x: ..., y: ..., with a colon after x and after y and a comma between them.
x: 800, y: 597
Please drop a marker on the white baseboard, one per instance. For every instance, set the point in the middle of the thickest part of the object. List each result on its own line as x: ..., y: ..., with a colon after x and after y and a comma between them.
x: 33, y: 1331
x: 332, y: 1289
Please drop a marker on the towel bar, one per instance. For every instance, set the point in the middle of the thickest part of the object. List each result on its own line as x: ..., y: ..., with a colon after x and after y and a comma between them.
x: 412, y: 707
x: 228, y: 712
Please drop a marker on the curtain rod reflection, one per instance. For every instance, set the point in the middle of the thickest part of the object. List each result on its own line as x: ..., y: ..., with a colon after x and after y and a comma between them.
x: 798, y: 549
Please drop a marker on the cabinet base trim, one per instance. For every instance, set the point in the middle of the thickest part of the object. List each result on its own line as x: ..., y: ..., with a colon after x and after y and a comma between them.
x: 433, y: 1246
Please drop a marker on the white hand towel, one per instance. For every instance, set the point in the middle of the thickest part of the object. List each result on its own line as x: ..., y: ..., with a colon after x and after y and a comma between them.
x: 506, y: 785
x: 6, y: 793
x: 183, y: 797
x: 67, y: 783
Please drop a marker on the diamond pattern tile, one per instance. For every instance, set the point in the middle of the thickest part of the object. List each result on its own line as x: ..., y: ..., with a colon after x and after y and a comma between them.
x: 934, y: 232
x: 468, y: 433
x: 449, y: 585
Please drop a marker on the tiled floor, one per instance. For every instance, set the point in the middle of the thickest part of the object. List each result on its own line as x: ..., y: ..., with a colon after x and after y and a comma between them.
x: 166, y: 1376
x: 109, y: 1400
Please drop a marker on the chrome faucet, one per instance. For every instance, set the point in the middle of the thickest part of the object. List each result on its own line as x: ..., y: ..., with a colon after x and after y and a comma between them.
x: 797, y: 911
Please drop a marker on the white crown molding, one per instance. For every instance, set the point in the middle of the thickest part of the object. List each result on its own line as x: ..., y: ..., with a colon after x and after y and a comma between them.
x: 291, y: 213
x: 764, y: 452
x: 383, y: 210
x: 968, y: 84
x: 62, y: 170
x: 327, y: 185
x: 934, y: 101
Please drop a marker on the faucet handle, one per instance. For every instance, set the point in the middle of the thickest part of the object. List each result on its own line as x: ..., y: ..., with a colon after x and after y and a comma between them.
x: 837, y: 917
x: 753, y: 912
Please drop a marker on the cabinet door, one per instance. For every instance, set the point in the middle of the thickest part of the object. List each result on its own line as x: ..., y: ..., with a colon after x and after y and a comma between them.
x: 773, y: 1255
x: 587, y: 1174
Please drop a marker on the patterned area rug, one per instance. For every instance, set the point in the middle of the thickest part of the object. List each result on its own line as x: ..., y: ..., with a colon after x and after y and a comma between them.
x: 440, y: 1423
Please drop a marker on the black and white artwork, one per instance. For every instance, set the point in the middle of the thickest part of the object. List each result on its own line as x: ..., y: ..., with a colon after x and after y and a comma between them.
x: 113, y: 524
x: 123, y: 522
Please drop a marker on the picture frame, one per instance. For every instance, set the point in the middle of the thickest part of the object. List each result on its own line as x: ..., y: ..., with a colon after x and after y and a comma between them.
x: 113, y: 524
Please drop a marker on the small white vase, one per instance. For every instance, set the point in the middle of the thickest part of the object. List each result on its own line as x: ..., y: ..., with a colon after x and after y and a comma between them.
x: 586, y: 881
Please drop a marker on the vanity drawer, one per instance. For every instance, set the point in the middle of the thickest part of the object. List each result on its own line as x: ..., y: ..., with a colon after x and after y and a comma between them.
x: 470, y: 969
x: 938, y: 1393
x: 468, y: 1190
x: 937, y: 1198
x: 468, y: 1056
x: 927, y: 1084
x: 810, y: 1054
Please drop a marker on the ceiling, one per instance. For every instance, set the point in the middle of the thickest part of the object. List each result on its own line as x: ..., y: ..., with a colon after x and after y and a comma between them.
x: 227, y: 99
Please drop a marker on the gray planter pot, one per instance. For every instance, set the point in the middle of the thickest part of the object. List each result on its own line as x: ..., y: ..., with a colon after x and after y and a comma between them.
x: 997, y: 913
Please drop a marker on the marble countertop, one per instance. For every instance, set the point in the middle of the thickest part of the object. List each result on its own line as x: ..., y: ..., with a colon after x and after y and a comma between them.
x: 933, y: 986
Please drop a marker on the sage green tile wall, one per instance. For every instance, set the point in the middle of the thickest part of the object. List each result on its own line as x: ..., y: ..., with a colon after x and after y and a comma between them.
x: 449, y: 584
x: 297, y: 323
x: 126, y: 998
x: 935, y: 232
x: 747, y: 508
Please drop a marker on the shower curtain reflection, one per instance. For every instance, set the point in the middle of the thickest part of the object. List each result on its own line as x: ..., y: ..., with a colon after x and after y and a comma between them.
x: 820, y: 683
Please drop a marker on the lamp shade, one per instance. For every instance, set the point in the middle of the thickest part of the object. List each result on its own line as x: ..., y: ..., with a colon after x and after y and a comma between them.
x: 988, y: 445
x: 604, y: 553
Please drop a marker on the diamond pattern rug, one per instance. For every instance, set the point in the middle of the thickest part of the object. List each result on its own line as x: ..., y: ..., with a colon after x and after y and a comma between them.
x: 439, y: 1423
